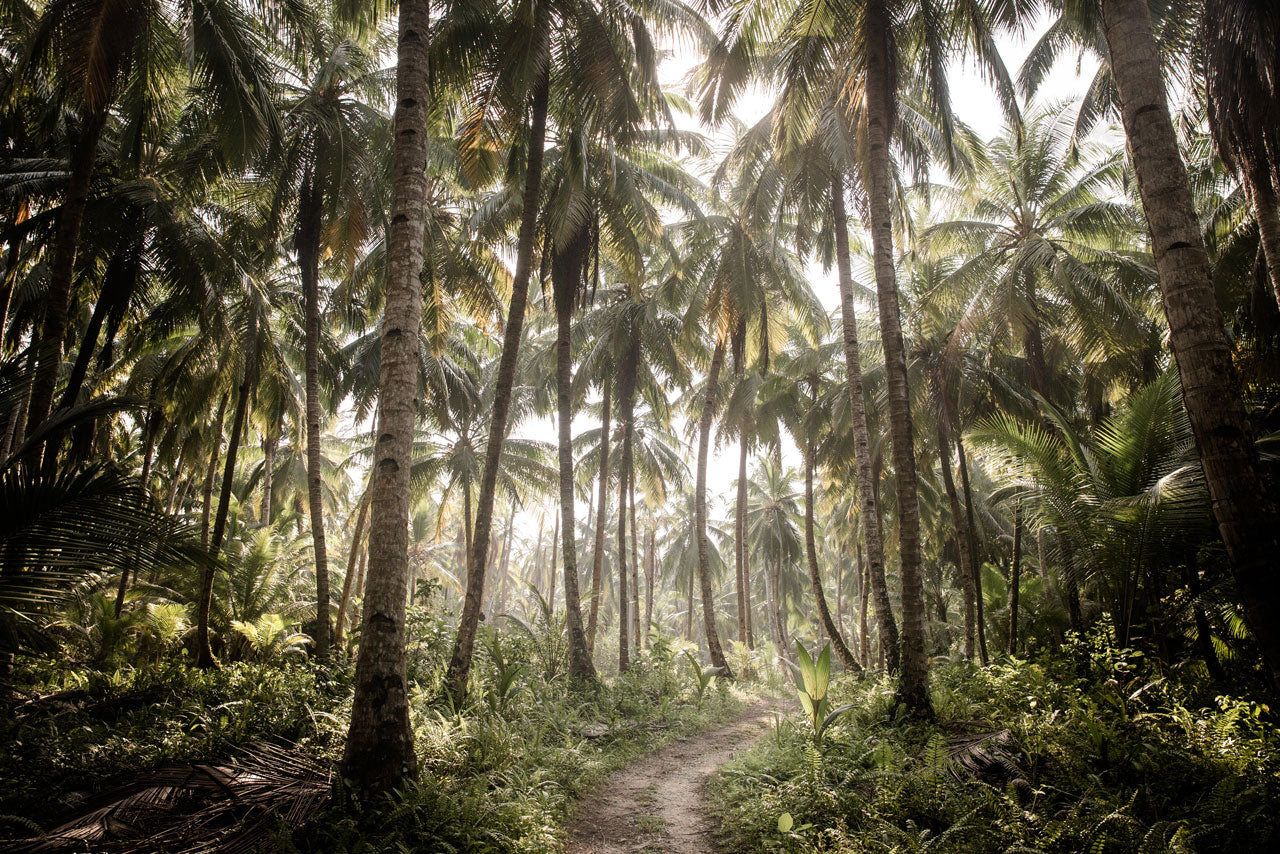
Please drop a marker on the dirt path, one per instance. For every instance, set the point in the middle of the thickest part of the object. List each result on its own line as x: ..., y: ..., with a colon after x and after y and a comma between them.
x: 654, y: 806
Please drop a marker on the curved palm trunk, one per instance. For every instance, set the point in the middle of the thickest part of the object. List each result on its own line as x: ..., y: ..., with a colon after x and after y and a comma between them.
x: 963, y: 546
x: 597, y: 558
x: 204, y: 654
x: 815, y: 576
x: 700, y: 513
x: 868, y: 504
x: 460, y: 662
x: 581, y: 668
x: 913, y: 676
x: 308, y: 234
x: 379, y: 751
x: 1210, y: 386
x: 57, y: 301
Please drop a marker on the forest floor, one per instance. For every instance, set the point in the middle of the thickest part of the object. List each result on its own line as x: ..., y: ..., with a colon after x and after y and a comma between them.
x: 656, y: 805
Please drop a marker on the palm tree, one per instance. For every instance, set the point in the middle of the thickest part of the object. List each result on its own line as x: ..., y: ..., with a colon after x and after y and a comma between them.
x: 1210, y: 385
x: 379, y: 750
x: 94, y: 49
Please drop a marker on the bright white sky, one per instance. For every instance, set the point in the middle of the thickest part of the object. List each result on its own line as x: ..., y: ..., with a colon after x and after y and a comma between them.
x: 974, y: 103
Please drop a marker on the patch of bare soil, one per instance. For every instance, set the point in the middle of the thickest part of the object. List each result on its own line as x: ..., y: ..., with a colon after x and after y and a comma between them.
x: 655, y: 806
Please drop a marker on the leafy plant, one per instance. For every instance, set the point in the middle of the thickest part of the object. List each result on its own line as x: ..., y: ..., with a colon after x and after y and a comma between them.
x: 703, y: 677
x: 812, y: 681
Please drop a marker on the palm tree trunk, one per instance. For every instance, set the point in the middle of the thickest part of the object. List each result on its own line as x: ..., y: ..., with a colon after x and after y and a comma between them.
x: 308, y: 238
x: 635, y: 566
x: 269, y: 443
x: 975, y: 559
x: 624, y: 616
x: 1201, y: 348
x: 913, y: 677
x: 581, y: 668
x: 868, y: 508
x: 1263, y: 195
x: 739, y: 540
x: 963, y: 546
x: 815, y: 576
x: 57, y: 300
x: 597, y: 558
x: 650, y: 571
x: 357, y: 537
x: 204, y: 653
x: 864, y: 600
x: 700, y: 513
x: 460, y: 661
x: 379, y: 751
x: 551, y: 582
x: 1015, y: 580
x: 206, y: 506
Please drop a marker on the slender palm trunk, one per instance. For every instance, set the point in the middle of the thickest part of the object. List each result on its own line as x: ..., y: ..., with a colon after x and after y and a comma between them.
x: 700, y: 513
x: 650, y: 571
x: 379, y: 751
x: 975, y: 557
x: 344, y: 600
x: 1201, y: 348
x: 913, y: 676
x: 868, y: 503
x: 551, y: 582
x: 624, y: 605
x: 269, y: 443
x: 864, y: 601
x: 739, y: 540
x: 1015, y: 580
x: 581, y: 668
x: 57, y: 299
x: 460, y: 661
x: 602, y: 509
x: 206, y: 504
x: 963, y: 546
x: 1263, y: 195
x: 815, y: 575
x: 310, y: 201
x: 204, y: 653
x: 635, y: 566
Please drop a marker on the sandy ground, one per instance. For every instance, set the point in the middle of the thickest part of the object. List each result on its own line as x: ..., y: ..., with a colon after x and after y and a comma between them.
x: 655, y: 805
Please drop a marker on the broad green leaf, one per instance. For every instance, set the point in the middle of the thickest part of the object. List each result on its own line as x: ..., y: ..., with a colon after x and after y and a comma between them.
x: 785, y: 823
x: 822, y: 673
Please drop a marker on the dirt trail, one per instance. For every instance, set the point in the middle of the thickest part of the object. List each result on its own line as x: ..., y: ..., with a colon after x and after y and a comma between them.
x: 655, y: 805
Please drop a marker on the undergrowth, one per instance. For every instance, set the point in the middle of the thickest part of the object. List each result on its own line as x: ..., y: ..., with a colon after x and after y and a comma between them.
x: 499, y: 775
x: 1026, y: 756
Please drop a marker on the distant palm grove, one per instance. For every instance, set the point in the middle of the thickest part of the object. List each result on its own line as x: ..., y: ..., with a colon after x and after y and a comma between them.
x: 435, y: 405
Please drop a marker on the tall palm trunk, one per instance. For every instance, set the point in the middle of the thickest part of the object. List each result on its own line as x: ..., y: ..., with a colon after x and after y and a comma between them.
x: 635, y: 566
x: 206, y: 504
x: 975, y: 557
x: 626, y: 412
x: 308, y: 233
x: 1263, y: 195
x: 815, y: 576
x: 57, y: 299
x: 269, y: 443
x: 740, y: 544
x: 460, y: 661
x: 650, y: 571
x: 1015, y: 580
x: 868, y: 505
x: 1210, y: 385
x: 551, y: 582
x: 913, y: 676
x: 700, y: 512
x: 357, y: 537
x: 864, y: 597
x: 597, y: 558
x: 963, y: 546
x: 379, y: 751
x: 248, y: 378
x: 581, y: 668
